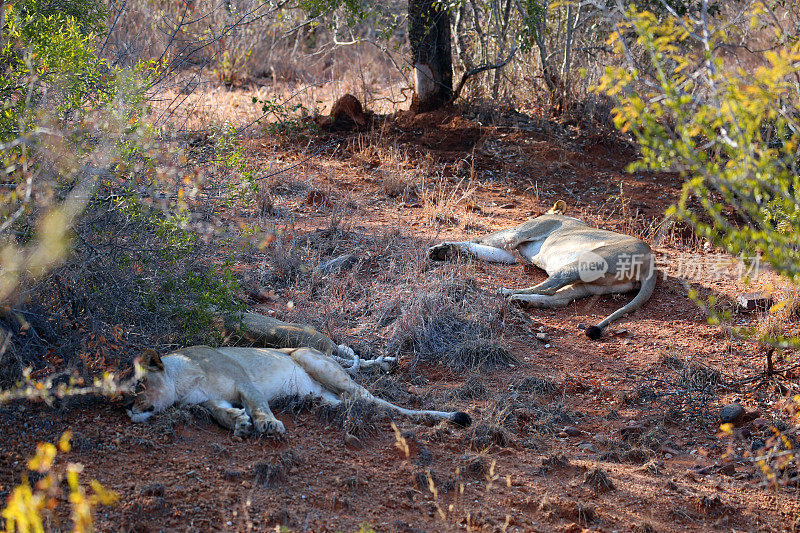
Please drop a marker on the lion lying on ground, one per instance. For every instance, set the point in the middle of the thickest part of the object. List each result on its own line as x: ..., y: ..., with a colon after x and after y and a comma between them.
x: 580, y: 261
x: 237, y: 384
x: 254, y: 329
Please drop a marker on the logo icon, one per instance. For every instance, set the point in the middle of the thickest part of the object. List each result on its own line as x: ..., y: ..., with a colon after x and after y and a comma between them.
x: 591, y: 266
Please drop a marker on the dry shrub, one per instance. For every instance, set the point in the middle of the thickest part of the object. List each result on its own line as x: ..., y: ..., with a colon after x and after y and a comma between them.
x: 134, y: 279
x: 452, y: 324
x: 274, y: 470
x: 538, y: 385
x: 636, y: 447
x: 472, y: 389
x: 687, y: 391
x: 353, y: 417
x: 783, y: 320
x: 599, y: 480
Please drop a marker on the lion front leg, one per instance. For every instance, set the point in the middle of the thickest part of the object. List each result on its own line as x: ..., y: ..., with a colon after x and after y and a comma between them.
x: 264, y: 422
x: 230, y: 417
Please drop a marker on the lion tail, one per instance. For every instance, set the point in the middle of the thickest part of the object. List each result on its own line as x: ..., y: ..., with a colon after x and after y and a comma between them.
x: 645, y: 291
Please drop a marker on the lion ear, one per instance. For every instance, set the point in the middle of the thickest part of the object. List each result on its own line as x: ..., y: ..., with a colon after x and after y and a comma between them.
x: 151, y: 360
x: 559, y: 208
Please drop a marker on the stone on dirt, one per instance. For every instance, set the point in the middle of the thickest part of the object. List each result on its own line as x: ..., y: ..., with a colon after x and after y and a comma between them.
x: 342, y: 262
x: 731, y: 413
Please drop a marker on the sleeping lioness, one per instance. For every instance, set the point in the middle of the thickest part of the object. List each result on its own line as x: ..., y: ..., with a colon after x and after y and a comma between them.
x: 580, y: 260
x: 237, y: 384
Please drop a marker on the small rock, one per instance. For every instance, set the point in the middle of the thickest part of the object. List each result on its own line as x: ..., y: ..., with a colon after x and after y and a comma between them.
x: 343, y: 262
x: 572, y: 431
x: 352, y: 441
x: 731, y: 413
x: 542, y: 336
x: 760, y: 423
x: 588, y: 447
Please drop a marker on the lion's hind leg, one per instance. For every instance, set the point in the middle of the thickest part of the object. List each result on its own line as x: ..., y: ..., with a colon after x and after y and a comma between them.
x: 562, y: 297
x: 230, y: 417
x: 566, y: 295
x: 560, y: 279
x: 471, y: 250
x: 332, y: 377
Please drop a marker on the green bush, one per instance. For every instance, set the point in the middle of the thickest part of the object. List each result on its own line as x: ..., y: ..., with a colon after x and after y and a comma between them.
x: 48, y: 59
x: 731, y: 132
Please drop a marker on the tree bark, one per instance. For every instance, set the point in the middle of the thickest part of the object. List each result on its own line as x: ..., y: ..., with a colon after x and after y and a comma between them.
x: 429, y: 36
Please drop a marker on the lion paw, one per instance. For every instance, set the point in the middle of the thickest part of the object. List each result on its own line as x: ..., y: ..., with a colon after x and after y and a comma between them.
x: 243, y: 428
x: 270, y: 427
x: 521, y: 300
x: 443, y: 251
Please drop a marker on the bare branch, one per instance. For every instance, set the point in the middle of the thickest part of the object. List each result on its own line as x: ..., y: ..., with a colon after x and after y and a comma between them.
x: 477, y: 70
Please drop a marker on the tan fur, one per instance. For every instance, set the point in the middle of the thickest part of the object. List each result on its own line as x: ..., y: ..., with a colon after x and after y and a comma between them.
x: 237, y: 384
x: 252, y: 329
x: 563, y: 246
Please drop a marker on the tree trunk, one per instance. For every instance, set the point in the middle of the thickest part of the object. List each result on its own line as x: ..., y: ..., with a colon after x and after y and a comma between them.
x: 429, y: 36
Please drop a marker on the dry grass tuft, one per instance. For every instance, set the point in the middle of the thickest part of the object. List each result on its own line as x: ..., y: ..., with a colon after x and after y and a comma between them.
x: 473, y: 466
x: 636, y: 446
x: 783, y: 320
x: 538, y: 385
x: 442, y: 204
x: 168, y: 421
x: 483, y: 435
x: 599, y: 480
x: 356, y: 418
x: 275, y: 469
x: 689, y: 391
x: 454, y: 325
x: 472, y: 389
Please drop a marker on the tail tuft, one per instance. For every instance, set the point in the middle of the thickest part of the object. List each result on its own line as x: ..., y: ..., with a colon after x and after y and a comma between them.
x: 461, y: 419
x: 594, y: 332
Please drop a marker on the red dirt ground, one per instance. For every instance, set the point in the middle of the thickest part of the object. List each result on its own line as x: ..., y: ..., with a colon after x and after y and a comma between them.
x: 183, y: 473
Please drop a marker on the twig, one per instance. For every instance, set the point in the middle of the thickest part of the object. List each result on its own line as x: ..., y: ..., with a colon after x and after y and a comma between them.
x: 477, y: 70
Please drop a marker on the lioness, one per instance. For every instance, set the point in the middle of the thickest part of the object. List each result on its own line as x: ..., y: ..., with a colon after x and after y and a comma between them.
x: 580, y: 261
x: 269, y: 332
x: 237, y: 384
